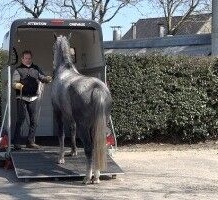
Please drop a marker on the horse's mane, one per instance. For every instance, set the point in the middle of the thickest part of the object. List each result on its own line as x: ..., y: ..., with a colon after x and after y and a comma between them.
x: 65, y: 46
x: 64, y: 55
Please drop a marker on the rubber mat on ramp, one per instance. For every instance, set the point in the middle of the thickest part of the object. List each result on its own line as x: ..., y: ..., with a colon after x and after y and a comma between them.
x: 43, y: 164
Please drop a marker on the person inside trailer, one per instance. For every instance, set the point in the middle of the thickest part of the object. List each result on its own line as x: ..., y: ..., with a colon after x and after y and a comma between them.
x: 25, y: 81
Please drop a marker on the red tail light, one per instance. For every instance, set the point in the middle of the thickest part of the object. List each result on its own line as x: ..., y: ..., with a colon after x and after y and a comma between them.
x: 110, y: 140
x: 57, y: 22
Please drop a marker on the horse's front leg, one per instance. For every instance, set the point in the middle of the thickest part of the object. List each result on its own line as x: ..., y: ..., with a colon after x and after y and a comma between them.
x: 70, y: 126
x: 88, y: 177
x: 61, y: 136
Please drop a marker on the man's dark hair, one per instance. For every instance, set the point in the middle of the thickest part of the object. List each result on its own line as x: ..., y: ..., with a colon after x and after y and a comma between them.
x: 26, y: 52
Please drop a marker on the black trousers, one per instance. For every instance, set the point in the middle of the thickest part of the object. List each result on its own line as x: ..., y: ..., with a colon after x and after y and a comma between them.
x: 22, y: 106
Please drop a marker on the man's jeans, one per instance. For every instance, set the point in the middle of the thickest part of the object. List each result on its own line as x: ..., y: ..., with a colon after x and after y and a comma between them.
x: 21, y: 116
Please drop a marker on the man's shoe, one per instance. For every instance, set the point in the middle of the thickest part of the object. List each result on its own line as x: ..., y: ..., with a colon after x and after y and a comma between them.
x: 17, y: 147
x: 32, y: 146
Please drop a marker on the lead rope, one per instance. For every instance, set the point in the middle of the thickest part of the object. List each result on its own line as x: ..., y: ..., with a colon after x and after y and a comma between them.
x: 41, y: 92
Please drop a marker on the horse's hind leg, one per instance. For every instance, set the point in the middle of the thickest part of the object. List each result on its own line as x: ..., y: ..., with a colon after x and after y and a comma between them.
x: 58, y: 119
x: 96, y: 178
x: 73, y: 139
x: 85, y: 137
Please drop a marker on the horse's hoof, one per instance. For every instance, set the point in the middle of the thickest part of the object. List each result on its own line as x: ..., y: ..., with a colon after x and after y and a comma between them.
x: 86, y: 181
x: 61, y: 161
x: 95, y: 180
x: 73, y: 153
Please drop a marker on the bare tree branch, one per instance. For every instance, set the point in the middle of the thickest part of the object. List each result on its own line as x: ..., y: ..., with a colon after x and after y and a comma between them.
x: 192, y: 7
x: 182, y: 7
x: 101, y: 11
x: 73, y: 7
x: 37, y: 9
x: 14, y: 8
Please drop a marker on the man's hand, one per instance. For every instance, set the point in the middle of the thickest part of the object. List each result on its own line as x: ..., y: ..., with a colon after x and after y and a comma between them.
x: 18, y: 86
x: 48, y: 79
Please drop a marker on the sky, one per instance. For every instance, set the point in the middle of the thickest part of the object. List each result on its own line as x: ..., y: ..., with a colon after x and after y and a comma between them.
x: 124, y: 19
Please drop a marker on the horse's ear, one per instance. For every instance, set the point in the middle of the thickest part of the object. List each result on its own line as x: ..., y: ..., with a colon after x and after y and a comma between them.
x: 69, y: 36
x: 55, y: 36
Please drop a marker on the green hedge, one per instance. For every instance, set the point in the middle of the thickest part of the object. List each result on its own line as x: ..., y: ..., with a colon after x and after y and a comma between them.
x: 3, y: 61
x: 2, y: 58
x: 163, y: 98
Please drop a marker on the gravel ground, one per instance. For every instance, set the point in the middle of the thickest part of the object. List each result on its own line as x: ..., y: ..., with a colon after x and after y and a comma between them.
x: 152, y: 171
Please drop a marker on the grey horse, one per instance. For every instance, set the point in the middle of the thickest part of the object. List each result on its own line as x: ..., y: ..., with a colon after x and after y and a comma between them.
x: 83, y: 104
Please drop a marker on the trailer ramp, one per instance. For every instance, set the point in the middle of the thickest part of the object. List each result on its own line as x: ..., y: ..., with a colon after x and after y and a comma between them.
x: 43, y: 164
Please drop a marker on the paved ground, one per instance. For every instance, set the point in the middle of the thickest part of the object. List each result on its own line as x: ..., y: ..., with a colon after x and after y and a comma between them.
x: 150, y: 173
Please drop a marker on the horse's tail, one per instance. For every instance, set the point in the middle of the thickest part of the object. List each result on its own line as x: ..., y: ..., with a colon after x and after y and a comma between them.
x: 99, y: 130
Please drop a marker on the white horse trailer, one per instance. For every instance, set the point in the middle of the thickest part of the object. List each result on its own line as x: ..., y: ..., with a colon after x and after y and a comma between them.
x: 37, y: 35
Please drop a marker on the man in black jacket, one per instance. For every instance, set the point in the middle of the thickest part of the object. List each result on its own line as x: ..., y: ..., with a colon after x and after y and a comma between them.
x: 25, y: 81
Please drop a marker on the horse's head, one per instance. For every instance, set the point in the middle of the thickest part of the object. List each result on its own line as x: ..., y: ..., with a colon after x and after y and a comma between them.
x: 61, y: 51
